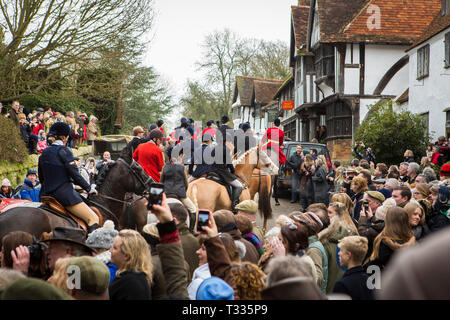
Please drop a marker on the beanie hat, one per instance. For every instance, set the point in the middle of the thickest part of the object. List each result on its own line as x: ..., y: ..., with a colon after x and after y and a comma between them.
x: 59, y: 129
x: 33, y: 289
x: 31, y: 171
x: 6, y: 183
x: 381, y: 211
x: 385, y: 192
x: 214, y: 288
x: 248, y: 206
x: 445, y: 170
x: 102, y: 237
x: 94, y: 274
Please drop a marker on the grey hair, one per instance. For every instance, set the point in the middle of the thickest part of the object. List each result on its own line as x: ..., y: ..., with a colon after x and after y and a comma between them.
x: 429, y: 174
x: 404, y: 164
x: 241, y: 248
x: 392, y: 183
x: 284, y: 267
x: 414, y: 167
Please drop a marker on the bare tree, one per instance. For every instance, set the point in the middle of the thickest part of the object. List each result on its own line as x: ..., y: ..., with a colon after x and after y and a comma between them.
x: 51, y: 39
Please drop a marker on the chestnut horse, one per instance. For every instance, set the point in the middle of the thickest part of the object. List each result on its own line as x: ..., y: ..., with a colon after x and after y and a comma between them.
x: 121, y: 177
x: 210, y: 195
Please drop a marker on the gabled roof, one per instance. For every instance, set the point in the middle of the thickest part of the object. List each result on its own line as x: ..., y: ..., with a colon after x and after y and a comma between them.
x: 265, y: 90
x: 439, y: 24
x: 287, y: 81
x: 299, y: 18
x: 402, y: 21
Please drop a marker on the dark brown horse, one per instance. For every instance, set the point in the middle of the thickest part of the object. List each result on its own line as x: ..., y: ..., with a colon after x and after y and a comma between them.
x: 125, y: 175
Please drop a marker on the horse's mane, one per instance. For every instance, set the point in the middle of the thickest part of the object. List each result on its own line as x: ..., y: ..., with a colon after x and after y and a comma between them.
x: 242, y: 157
x: 104, y: 173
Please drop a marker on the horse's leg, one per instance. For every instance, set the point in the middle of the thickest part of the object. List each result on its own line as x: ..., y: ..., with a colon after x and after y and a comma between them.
x: 140, y: 211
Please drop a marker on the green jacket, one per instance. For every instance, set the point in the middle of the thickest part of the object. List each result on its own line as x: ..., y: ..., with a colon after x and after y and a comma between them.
x: 334, y: 272
x: 190, y: 246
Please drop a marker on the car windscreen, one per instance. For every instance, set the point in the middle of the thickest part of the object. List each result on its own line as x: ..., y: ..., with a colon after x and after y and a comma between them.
x: 306, y: 150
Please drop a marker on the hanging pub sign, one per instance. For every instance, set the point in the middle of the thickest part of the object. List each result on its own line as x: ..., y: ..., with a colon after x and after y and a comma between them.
x: 287, y: 105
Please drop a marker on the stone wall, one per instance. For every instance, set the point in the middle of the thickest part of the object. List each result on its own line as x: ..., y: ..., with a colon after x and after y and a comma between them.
x: 340, y: 150
x: 16, y: 172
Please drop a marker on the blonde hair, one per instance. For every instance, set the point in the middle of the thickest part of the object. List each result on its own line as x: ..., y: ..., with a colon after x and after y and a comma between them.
x: 356, y: 245
x: 411, y: 208
x: 345, y: 199
x: 344, y: 217
x: 136, y: 248
x: 409, y: 153
x: 60, y: 276
x: 360, y: 184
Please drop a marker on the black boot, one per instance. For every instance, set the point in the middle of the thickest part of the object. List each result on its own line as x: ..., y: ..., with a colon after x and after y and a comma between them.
x: 192, y: 223
x: 235, y: 194
x: 92, y: 228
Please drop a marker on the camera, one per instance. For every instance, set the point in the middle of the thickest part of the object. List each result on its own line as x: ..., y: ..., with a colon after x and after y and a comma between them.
x: 366, y: 206
x: 36, y: 249
x: 155, y: 194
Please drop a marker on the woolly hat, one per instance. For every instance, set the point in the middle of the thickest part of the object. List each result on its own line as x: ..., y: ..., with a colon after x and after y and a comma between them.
x: 445, y: 170
x: 214, y: 288
x: 31, y: 171
x: 386, y: 193
x: 381, y: 211
x: 59, y: 129
x: 94, y: 274
x: 6, y: 183
x: 102, y: 237
x: 33, y: 289
x: 248, y: 206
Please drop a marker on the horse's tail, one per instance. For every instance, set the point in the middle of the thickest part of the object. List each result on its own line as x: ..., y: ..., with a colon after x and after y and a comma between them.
x: 264, y: 197
x: 194, y: 195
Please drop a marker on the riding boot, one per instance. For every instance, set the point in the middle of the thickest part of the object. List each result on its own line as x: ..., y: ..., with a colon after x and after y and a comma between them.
x: 235, y: 194
x: 192, y: 219
x: 92, y: 228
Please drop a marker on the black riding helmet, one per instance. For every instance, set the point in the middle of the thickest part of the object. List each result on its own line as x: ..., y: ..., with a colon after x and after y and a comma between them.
x: 59, y: 129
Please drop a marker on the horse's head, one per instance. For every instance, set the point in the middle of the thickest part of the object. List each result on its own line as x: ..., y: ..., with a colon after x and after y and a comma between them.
x: 132, y: 177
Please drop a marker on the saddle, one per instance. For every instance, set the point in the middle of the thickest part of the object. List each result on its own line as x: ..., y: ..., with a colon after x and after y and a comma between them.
x: 53, y: 206
x: 216, y: 178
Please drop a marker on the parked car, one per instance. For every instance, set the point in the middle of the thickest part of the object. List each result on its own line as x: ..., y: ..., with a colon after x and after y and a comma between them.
x: 112, y: 143
x: 289, y: 148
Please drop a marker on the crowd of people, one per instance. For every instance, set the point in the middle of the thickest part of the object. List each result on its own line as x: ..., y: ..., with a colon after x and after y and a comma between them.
x: 34, y: 126
x: 351, y: 221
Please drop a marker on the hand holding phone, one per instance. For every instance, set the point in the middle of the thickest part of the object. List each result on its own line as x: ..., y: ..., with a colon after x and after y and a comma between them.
x: 208, y: 227
x: 203, y: 219
x: 155, y: 195
x: 162, y: 211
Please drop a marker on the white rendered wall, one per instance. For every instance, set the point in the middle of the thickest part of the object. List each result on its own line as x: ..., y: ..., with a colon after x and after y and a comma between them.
x: 363, y: 108
x: 431, y: 94
x: 378, y: 60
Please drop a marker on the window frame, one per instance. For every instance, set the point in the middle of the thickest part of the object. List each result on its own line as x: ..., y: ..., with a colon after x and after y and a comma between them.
x: 423, y: 62
x: 447, y: 50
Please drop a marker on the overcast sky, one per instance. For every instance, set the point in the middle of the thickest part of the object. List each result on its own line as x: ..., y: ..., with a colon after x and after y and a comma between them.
x: 181, y: 25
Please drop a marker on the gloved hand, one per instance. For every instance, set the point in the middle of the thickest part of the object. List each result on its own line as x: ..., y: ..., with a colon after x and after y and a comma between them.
x: 93, y: 190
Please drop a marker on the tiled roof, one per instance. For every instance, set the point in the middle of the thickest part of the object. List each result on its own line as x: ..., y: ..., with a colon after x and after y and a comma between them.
x: 404, y: 97
x: 265, y: 90
x: 439, y: 24
x: 402, y: 21
x: 300, y: 16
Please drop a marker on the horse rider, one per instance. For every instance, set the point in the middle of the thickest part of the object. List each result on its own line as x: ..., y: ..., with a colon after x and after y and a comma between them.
x: 201, y: 159
x: 223, y: 167
x: 57, y: 170
x: 150, y: 155
x: 272, y: 141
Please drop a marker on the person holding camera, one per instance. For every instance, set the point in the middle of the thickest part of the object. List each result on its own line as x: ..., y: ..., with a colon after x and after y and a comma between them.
x: 294, y: 163
x: 367, y: 155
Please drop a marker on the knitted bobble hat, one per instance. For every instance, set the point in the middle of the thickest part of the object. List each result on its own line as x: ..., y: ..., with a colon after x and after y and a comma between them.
x: 102, y: 238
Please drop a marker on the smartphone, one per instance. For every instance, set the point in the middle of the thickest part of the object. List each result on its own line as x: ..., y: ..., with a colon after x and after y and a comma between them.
x: 203, y: 219
x: 366, y: 206
x: 155, y: 194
